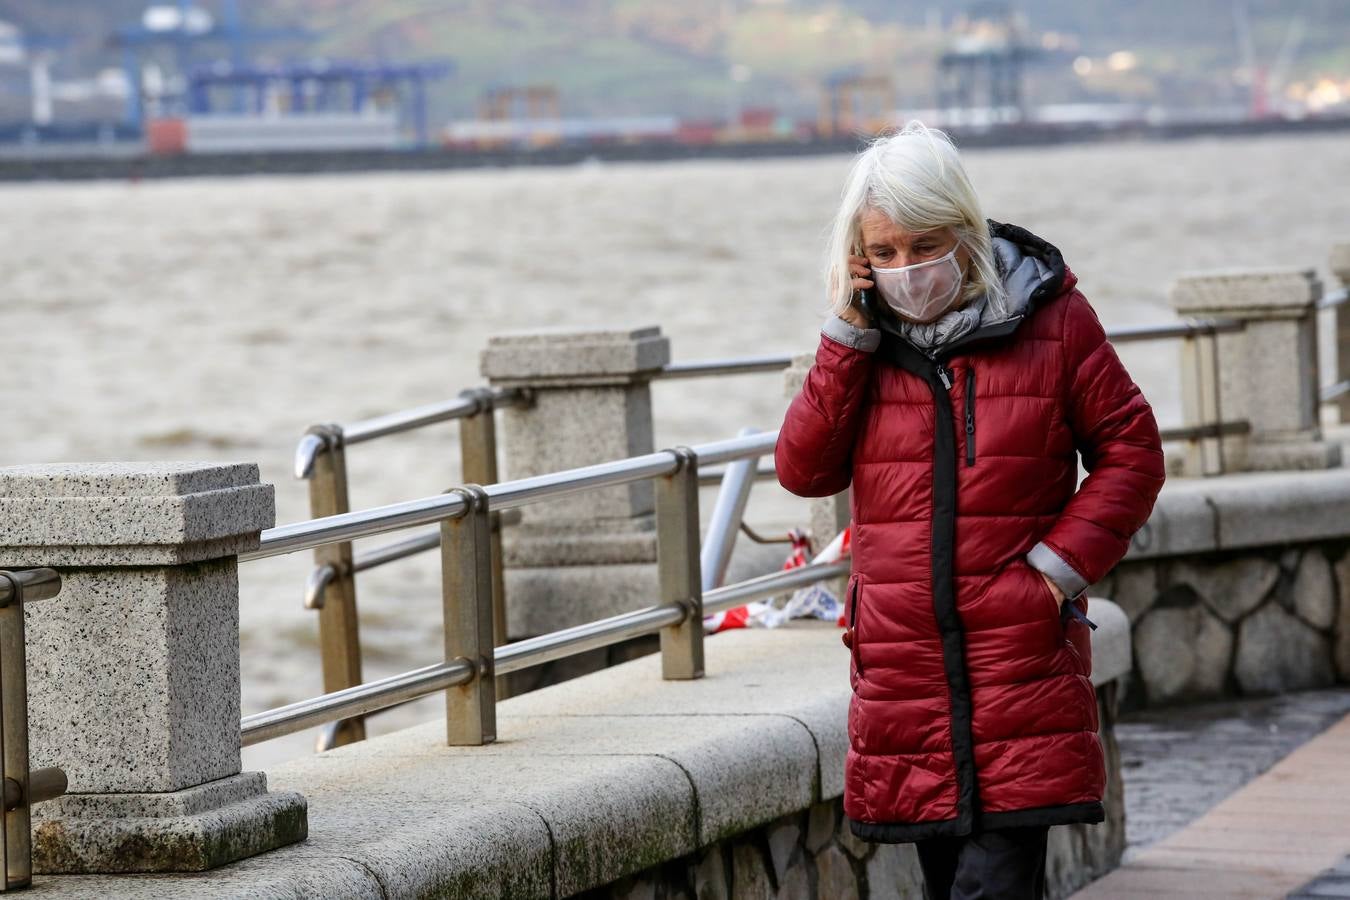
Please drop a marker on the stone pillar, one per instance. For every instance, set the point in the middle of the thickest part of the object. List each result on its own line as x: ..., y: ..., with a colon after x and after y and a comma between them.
x: 1340, y: 266
x: 593, y: 554
x: 1267, y: 373
x: 133, y: 670
x: 828, y: 515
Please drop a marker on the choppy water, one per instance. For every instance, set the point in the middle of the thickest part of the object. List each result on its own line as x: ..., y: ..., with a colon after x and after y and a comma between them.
x: 215, y: 319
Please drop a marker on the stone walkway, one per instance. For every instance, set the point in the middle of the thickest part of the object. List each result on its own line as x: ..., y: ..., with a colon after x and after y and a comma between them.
x: 1196, y: 830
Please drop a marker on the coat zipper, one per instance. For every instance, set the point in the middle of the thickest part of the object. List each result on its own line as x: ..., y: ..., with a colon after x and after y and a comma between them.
x: 970, y: 416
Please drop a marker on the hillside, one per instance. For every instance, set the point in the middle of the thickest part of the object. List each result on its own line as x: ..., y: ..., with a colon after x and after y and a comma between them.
x: 638, y: 56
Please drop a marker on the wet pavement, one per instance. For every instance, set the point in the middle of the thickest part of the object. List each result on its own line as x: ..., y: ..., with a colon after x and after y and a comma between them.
x: 1180, y: 762
x: 1331, y: 883
x: 1238, y: 799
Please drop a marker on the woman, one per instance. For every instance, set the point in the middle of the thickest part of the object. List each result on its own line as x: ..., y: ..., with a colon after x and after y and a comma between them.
x: 957, y: 416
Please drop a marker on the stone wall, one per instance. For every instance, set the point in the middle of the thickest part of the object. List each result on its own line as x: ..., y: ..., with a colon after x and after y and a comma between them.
x: 812, y: 855
x: 1238, y: 586
x: 1234, y: 623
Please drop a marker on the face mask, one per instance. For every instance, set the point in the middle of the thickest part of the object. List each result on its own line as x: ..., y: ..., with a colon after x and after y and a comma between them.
x: 923, y: 291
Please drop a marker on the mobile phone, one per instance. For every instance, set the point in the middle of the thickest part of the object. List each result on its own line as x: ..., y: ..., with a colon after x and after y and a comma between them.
x: 866, y: 298
x: 868, y: 304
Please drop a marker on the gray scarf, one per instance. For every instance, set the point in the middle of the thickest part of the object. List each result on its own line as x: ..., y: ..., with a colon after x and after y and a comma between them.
x: 948, y: 327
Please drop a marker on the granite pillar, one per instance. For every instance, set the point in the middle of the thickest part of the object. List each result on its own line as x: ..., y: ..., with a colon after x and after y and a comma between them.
x: 1266, y: 373
x: 133, y: 670
x: 592, y: 554
x: 1340, y: 266
x: 828, y: 515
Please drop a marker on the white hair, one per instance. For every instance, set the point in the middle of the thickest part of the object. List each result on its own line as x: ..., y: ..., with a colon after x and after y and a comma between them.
x: 915, y: 178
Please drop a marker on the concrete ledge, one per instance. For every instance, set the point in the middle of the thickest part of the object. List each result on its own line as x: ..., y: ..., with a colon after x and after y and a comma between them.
x: 1246, y: 509
x: 590, y: 780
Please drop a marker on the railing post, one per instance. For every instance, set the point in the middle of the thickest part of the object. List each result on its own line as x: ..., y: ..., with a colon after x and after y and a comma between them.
x: 1266, y: 372
x: 1200, y: 402
x: 466, y: 590
x: 478, y: 465
x: 22, y: 788
x: 1340, y: 267
x: 134, y: 674
x: 584, y: 557
x: 339, y: 633
x: 677, y: 546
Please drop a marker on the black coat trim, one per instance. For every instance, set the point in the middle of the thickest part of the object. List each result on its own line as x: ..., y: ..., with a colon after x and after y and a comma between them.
x: 907, y: 356
x: 1068, y: 814
x: 907, y: 832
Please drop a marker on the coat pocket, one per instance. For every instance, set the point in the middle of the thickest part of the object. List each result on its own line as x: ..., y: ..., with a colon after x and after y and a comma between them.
x: 1051, y: 603
x: 851, y: 633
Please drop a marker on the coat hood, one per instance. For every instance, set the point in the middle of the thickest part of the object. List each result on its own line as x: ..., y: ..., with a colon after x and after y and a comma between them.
x: 1032, y: 268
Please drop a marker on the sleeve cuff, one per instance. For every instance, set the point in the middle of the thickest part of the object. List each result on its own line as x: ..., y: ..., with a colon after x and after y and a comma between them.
x: 837, y: 329
x: 1061, y: 573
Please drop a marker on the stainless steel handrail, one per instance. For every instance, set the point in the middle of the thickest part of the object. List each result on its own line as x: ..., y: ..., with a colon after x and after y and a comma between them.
x: 1334, y: 298
x: 469, y: 403
x: 36, y: 584
x: 322, y: 575
x: 714, y: 475
x: 397, y: 689
x: 353, y: 701
x: 502, y: 496
x: 1195, y: 432
x: 1332, y: 391
x: 473, y: 401
x: 734, y: 366
x: 732, y: 449
x: 361, y: 523
x: 1189, y: 328
x: 524, y: 491
x: 727, y: 515
x: 372, y: 559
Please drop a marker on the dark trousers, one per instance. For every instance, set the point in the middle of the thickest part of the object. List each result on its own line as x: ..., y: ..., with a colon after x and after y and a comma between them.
x: 999, y: 864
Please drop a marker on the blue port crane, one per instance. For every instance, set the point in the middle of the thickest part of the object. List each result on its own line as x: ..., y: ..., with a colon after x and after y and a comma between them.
x: 316, y: 86
x: 189, y: 29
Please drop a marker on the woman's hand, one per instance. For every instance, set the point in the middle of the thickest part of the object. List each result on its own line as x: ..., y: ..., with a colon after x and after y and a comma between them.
x: 861, y: 272
x: 1054, y: 588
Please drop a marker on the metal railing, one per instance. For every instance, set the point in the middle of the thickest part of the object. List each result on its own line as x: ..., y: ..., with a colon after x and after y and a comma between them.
x: 1199, y: 352
x: 1334, y: 392
x: 472, y: 662
x: 320, y: 458
x: 1334, y: 298
x: 330, y: 589
x: 22, y: 787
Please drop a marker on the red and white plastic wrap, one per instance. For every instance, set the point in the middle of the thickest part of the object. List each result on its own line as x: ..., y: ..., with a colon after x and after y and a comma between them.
x: 814, y: 601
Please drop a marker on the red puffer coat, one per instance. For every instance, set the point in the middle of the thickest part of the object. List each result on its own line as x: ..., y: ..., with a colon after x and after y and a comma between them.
x: 972, y: 705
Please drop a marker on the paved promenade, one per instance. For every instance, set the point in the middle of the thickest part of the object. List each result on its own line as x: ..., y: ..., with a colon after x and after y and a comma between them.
x: 1268, y: 838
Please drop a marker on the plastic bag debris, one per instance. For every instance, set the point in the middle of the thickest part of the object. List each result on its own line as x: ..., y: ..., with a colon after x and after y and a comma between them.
x: 813, y: 601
